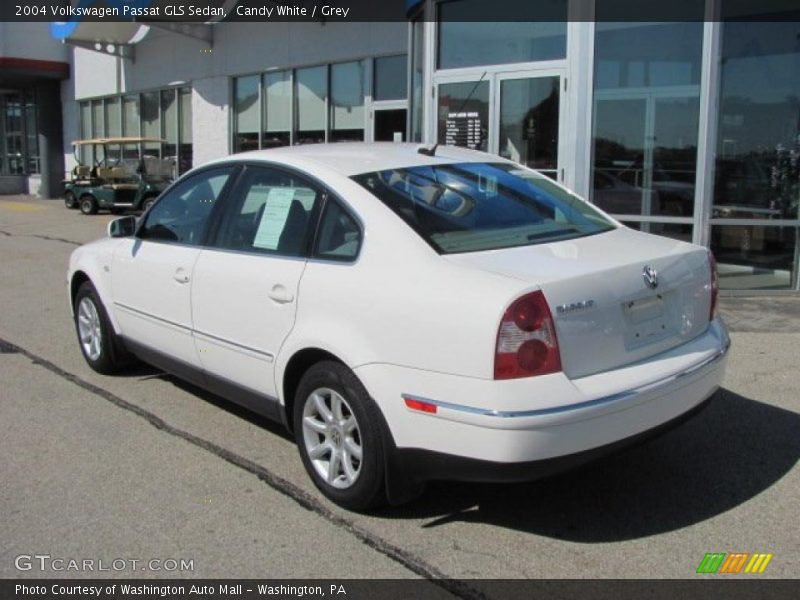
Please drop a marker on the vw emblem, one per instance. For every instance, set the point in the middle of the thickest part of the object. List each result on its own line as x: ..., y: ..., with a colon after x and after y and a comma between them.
x: 650, y: 277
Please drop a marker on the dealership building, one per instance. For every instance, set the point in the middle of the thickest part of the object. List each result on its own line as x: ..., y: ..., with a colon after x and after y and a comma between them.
x: 688, y: 129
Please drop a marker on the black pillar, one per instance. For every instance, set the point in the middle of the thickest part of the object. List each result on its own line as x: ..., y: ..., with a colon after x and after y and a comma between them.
x: 50, y: 134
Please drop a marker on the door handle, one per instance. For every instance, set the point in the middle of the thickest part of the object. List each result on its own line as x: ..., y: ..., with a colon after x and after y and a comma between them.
x: 280, y: 294
x: 180, y: 275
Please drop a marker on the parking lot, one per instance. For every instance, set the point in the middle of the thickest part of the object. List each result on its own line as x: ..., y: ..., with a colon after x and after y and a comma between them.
x: 143, y: 466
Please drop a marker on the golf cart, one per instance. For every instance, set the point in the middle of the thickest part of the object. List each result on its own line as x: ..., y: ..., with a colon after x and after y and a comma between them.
x: 123, y: 177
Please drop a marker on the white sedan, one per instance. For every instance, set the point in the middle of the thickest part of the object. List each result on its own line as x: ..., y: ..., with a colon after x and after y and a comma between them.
x: 409, y: 315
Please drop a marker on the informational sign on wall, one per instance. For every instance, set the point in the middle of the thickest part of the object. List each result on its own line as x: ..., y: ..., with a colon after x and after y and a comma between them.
x: 463, y: 129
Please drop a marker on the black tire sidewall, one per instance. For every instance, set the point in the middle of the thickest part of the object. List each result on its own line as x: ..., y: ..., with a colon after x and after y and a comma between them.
x: 369, y: 489
x: 107, y: 362
x: 69, y: 200
x: 90, y: 202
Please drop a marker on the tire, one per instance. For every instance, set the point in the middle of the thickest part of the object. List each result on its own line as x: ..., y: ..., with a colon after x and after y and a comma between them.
x: 147, y: 203
x: 362, y: 486
x: 88, y: 205
x: 100, y: 345
x: 70, y: 201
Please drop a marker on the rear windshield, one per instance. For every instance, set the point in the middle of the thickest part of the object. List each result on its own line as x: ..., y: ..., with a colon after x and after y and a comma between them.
x: 469, y: 207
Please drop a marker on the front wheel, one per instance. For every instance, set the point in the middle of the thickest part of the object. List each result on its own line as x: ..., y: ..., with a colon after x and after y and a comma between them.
x: 89, y: 205
x: 100, y: 345
x: 70, y: 201
x: 339, y: 436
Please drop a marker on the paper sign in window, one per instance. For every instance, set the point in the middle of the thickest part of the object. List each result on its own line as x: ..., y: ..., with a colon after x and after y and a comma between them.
x: 279, y: 201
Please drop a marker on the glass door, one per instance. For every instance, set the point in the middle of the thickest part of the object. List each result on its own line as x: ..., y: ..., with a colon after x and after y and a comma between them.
x: 529, y: 115
x: 517, y: 115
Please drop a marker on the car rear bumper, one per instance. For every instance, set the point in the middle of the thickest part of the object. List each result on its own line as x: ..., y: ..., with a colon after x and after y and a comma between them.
x: 507, y: 430
x: 418, y: 466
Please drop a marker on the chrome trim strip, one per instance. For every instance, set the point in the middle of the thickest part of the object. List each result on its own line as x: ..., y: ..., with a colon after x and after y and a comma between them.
x: 267, y: 355
x: 513, y: 414
x: 141, y: 313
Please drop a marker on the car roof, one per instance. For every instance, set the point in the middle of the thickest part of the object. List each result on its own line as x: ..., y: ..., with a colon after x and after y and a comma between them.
x: 353, y: 158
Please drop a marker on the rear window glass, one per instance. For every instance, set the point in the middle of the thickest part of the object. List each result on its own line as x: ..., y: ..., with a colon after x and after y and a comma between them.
x: 469, y: 207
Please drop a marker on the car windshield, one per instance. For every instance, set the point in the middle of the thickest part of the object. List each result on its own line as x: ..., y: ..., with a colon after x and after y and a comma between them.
x: 469, y: 207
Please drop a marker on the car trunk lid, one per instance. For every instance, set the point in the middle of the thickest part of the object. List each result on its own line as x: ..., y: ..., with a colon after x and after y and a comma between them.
x: 606, y: 313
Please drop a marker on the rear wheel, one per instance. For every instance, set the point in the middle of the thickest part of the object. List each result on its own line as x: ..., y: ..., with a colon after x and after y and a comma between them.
x: 70, y: 201
x: 100, y: 345
x: 338, y: 433
x: 88, y: 205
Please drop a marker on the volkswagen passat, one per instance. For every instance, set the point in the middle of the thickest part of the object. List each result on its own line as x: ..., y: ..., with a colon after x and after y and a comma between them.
x: 409, y: 315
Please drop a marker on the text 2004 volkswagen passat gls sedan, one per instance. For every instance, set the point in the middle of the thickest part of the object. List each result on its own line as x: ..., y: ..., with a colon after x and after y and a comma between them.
x: 408, y: 315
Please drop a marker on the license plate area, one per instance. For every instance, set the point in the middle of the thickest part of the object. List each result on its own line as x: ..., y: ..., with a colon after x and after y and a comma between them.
x: 649, y: 320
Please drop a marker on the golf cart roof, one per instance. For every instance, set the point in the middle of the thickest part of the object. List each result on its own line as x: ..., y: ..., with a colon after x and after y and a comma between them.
x: 119, y: 140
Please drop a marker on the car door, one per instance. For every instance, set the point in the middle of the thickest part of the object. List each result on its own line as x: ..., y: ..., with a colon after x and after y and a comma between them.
x: 245, y: 287
x: 152, y: 272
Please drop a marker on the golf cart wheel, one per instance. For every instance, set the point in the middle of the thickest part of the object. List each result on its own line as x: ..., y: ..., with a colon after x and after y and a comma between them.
x: 147, y: 203
x: 89, y: 205
x: 70, y: 201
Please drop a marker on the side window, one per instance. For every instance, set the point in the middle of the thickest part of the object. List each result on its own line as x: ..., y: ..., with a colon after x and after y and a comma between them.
x: 182, y: 215
x: 272, y: 213
x: 339, y: 235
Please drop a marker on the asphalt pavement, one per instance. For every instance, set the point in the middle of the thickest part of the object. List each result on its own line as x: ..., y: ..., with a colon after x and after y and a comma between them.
x: 142, y: 466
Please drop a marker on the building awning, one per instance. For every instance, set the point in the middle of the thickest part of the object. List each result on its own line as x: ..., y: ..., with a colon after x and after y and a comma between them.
x: 119, y: 38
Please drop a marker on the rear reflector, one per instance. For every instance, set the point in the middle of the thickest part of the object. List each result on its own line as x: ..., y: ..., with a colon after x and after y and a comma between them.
x: 420, y: 405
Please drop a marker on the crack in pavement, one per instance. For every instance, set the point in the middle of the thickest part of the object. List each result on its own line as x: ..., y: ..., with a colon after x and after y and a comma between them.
x: 407, y: 559
x: 41, y: 237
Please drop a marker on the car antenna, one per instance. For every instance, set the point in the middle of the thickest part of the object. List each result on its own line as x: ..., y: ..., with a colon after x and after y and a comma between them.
x: 432, y: 150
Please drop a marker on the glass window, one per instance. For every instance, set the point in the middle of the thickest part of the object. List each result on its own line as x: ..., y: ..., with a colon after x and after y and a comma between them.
x: 273, y: 213
x: 347, y: 102
x: 277, y: 109
x: 245, y: 113
x: 463, y: 115
x: 113, y: 117
x: 339, y: 236
x: 185, y: 149
x: 311, y: 95
x: 529, y: 117
x: 417, y: 58
x: 98, y: 119
x: 151, y: 122
x: 113, y: 127
x: 539, y: 34
x: 181, y: 216
x: 470, y: 207
x: 391, y: 74
x: 646, y: 117
x: 390, y: 125
x: 85, y: 152
x: 755, y: 257
x: 13, y: 129
x: 32, y: 132
x: 676, y: 231
x: 130, y: 125
x: 169, y: 125
x: 758, y: 144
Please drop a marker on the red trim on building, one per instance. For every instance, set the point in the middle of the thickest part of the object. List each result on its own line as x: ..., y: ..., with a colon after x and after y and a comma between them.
x: 49, y: 66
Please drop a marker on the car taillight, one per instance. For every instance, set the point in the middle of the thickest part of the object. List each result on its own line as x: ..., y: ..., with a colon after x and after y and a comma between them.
x: 526, y: 340
x: 712, y: 264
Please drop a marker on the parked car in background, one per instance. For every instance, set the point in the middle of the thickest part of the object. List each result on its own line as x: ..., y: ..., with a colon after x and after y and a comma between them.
x: 115, y: 181
x: 408, y: 316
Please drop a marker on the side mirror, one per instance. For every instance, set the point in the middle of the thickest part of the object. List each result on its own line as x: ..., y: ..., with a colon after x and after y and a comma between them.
x: 122, y: 227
